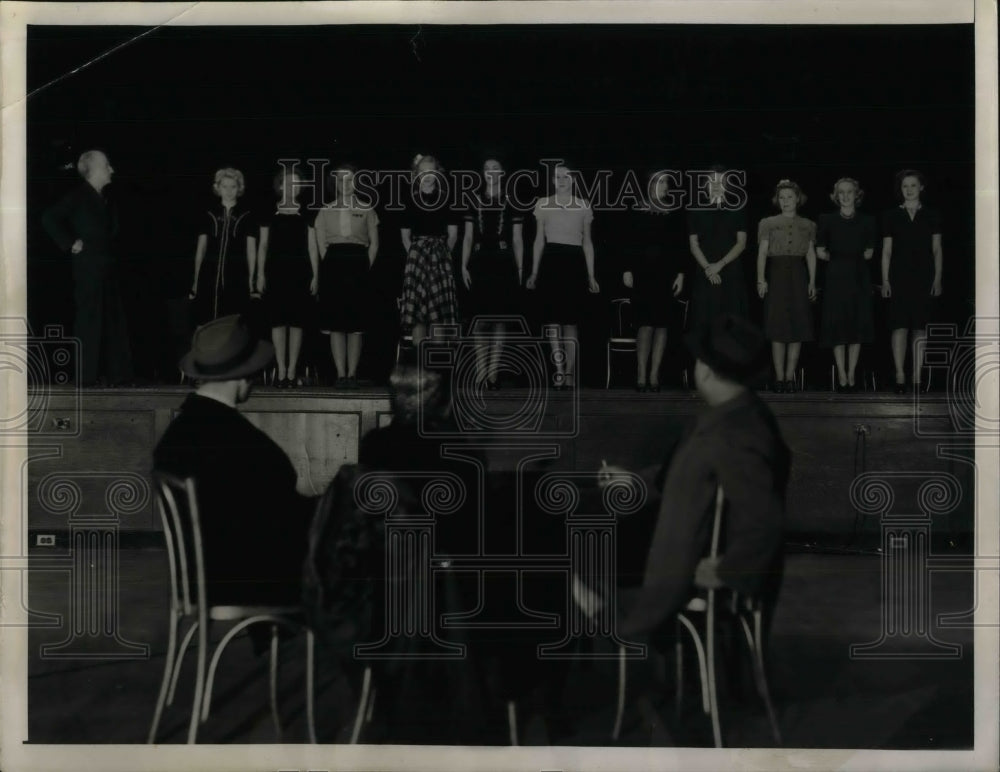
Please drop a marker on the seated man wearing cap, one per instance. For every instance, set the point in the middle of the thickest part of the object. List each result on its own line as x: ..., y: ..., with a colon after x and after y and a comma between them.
x: 254, y: 523
x: 735, y: 443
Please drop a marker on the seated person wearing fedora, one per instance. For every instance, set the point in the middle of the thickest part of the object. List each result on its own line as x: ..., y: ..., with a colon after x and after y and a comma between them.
x: 254, y: 523
x: 734, y: 443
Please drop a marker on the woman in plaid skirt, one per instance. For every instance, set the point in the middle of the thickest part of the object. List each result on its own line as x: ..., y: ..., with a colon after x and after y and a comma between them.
x: 429, y: 232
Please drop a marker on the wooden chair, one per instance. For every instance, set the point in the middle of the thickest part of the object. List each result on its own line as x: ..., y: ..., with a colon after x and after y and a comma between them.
x: 178, y: 506
x: 700, y: 618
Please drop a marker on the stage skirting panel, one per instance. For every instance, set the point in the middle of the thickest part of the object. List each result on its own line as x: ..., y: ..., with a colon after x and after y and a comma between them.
x: 88, y: 439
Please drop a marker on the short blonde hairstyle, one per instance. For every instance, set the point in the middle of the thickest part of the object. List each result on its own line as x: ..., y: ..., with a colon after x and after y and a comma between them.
x: 229, y: 174
x: 859, y: 194
x: 792, y: 186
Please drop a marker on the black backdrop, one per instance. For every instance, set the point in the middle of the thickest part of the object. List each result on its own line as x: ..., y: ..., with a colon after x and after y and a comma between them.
x: 172, y: 105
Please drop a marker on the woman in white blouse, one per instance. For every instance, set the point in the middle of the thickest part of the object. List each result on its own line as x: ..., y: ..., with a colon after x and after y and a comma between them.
x: 563, y: 267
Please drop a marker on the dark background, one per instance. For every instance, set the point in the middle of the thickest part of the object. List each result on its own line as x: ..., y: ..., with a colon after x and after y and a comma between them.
x: 809, y: 103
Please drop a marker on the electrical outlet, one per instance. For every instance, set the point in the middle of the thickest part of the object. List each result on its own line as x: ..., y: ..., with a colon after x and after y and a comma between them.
x: 45, y: 540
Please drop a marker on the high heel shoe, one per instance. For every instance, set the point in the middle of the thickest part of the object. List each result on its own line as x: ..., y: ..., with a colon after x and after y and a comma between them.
x: 640, y: 387
x: 778, y: 387
x: 790, y: 386
x: 492, y: 386
x: 655, y: 388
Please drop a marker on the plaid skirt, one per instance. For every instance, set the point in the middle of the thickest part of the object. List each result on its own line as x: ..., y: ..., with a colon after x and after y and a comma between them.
x: 428, y: 285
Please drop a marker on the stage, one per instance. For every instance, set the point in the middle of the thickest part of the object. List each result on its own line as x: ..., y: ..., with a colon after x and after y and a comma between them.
x: 92, y: 437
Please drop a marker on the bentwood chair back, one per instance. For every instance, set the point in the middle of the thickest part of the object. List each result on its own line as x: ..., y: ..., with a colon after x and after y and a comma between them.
x: 700, y: 618
x: 177, y: 502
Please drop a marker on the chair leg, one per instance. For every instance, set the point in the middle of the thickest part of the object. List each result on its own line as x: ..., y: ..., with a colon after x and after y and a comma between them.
x: 366, y: 684
x: 371, y: 705
x: 512, y: 721
x: 214, y: 666
x: 168, y: 667
x: 273, y: 682
x: 311, y: 685
x: 679, y: 662
x: 180, y: 660
x: 700, y: 651
x: 607, y: 381
x: 620, y: 713
x: 199, y: 684
x: 713, y: 693
x: 760, y: 676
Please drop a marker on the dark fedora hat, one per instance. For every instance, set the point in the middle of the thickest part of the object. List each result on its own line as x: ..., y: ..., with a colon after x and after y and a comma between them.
x: 733, y: 347
x: 225, y: 350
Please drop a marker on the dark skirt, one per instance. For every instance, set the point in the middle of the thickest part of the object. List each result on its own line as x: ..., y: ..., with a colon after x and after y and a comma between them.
x: 428, y: 285
x: 222, y: 293
x: 344, y: 292
x: 562, y: 283
x: 495, y: 285
x: 787, y: 311
x: 709, y: 301
x: 653, y: 300
x: 847, y: 304
x: 286, y: 293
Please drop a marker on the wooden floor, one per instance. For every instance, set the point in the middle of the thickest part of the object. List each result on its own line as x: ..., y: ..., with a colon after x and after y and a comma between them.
x: 825, y: 699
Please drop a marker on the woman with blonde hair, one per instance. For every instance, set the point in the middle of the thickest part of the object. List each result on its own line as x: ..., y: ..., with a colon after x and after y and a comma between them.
x: 846, y: 240
x: 226, y: 253
x: 786, y: 281
x: 429, y: 232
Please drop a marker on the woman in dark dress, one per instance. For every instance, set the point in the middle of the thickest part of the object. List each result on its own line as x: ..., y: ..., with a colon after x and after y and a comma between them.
x: 911, y: 271
x: 226, y: 253
x: 655, y: 277
x: 846, y: 239
x: 786, y: 248
x: 347, y: 239
x: 563, y: 266
x: 717, y: 236
x: 429, y: 233
x: 287, y: 262
x: 492, y: 265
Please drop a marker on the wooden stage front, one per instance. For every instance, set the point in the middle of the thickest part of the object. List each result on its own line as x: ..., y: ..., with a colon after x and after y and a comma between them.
x: 88, y: 438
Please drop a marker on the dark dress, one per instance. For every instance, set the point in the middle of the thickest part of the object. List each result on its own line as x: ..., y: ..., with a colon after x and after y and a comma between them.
x: 428, y: 276
x: 99, y: 315
x: 787, y: 310
x: 716, y: 230
x: 287, y: 270
x: 847, y: 294
x: 254, y: 523
x: 656, y: 242
x: 911, y: 267
x: 224, y: 281
x: 492, y: 268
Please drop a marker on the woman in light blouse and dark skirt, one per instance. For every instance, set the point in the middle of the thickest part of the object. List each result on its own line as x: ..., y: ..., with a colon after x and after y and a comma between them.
x: 655, y: 276
x: 347, y: 239
x: 846, y: 239
x: 429, y: 233
x: 911, y: 271
x: 786, y: 244
x: 286, y: 274
x: 563, y: 267
x: 492, y: 265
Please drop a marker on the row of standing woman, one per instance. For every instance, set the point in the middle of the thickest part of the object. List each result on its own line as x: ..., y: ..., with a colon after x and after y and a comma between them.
x: 294, y: 253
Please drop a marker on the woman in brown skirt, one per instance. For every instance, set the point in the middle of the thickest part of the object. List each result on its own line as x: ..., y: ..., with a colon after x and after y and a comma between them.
x: 787, y: 250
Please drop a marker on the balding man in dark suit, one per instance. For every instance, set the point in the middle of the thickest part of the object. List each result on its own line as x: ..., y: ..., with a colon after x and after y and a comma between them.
x: 84, y: 223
